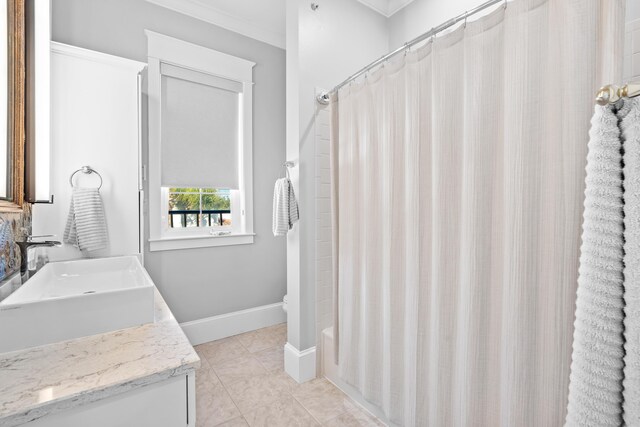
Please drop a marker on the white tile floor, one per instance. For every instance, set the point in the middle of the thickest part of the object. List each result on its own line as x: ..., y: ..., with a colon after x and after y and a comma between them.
x: 242, y: 383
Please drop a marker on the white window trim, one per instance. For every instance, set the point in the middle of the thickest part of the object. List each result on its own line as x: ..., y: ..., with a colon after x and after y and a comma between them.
x: 165, y: 49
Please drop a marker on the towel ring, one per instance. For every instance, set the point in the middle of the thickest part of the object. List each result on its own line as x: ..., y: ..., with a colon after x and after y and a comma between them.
x: 86, y: 170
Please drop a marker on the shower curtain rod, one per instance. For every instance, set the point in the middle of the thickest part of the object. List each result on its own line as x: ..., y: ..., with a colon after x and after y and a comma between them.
x: 611, y: 94
x: 325, y: 97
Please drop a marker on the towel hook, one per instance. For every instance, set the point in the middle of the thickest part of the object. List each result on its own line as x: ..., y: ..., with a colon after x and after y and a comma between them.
x: 286, y: 165
x: 86, y: 170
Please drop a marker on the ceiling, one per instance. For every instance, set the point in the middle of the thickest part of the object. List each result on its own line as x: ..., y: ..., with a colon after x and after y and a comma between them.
x: 258, y: 19
x: 386, y: 7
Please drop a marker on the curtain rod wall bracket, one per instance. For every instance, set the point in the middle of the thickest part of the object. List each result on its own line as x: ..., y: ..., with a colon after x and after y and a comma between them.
x: 324, y: 98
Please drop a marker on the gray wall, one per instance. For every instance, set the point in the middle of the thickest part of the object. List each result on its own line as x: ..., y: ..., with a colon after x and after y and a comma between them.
x: 199, y: 283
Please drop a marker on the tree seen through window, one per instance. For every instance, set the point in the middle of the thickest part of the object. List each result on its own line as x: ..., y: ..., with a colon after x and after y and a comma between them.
x: 199, y: 207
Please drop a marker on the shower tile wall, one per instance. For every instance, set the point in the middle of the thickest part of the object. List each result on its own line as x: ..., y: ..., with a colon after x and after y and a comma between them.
x: 324, y: 290
x: 632, y: 51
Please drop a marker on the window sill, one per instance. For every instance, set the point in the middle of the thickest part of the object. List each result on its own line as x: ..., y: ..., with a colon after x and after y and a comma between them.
x: 194, y: 242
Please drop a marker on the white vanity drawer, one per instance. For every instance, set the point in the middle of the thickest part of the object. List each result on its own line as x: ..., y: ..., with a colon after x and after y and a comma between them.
x: 165, y: 404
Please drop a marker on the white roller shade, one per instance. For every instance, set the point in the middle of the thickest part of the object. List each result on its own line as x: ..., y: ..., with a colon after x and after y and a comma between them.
x: 200, y: 129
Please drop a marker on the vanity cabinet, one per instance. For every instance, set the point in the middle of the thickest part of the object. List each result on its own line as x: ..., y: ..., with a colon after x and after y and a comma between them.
x: 140, y: 374
x: 170, y: 403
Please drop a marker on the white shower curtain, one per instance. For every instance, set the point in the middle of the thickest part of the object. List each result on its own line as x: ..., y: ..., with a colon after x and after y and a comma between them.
x: 458, y: 192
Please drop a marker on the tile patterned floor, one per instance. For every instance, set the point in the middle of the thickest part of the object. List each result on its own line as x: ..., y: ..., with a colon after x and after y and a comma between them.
x: 242, y: 383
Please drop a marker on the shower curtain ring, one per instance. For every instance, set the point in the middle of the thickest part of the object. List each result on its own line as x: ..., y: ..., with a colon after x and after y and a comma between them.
x: 505, y: 4
x: 466, y: 14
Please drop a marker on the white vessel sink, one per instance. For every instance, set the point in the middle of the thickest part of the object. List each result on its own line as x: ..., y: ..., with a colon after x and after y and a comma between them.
x: 74, y: 299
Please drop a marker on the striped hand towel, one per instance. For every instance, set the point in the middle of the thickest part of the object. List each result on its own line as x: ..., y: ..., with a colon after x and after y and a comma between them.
x: 285, y: 207
x: 86, y: 227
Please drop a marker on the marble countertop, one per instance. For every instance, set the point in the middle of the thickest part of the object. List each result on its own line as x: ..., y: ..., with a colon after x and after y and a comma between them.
x: 45, y: 380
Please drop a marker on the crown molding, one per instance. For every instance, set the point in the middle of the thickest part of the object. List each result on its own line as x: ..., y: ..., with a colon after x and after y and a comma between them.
x: 386, y: 8
x: 95, y: 56
x: 397, y: 5
x: 205, y: 12
x: 380, y: 6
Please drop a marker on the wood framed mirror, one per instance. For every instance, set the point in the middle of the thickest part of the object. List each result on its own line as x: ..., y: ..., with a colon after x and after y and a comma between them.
x: 12, y: 104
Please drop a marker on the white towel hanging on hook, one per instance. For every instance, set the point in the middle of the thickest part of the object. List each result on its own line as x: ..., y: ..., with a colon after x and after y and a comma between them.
x: 285, y: 205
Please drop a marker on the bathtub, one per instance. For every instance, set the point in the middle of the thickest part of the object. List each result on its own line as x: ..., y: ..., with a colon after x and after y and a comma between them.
x: 330, y: 372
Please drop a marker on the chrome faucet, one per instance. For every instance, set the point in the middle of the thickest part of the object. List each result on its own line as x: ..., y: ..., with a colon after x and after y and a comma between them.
x: 27, y: 245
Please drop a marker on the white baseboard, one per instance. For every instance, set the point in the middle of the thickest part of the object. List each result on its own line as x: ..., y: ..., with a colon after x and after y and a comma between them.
x: 300, y: 365
x: 226, y: 325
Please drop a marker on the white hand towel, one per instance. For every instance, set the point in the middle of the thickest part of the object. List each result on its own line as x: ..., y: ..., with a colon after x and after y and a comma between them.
x: 285, y: 207
x: 86, y: 227
x: 595, y: 390
x: 631, y: 384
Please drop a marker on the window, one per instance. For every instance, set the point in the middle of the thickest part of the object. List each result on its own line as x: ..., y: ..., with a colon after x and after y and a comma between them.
x: 200, y: 139
x: 200, y: 207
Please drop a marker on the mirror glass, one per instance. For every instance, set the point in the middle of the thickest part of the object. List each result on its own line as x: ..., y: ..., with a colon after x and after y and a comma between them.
x: 5, y: 192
